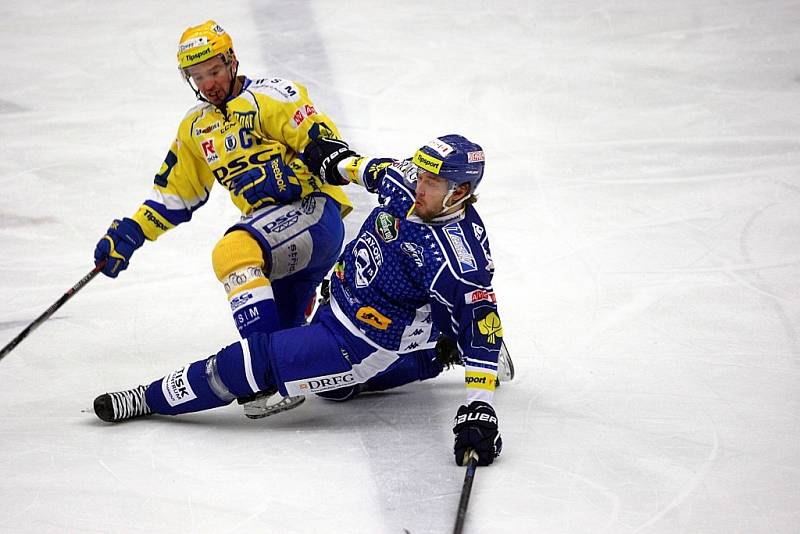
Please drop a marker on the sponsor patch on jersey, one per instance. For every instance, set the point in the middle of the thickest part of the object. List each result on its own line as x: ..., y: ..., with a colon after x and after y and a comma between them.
x: 374, y: 318
x: 455, y: 235
x: 477, y: 380
x: 415, y: 251
x: 285, y: 89
x: 230, y: 142
x: 487, y: 330
x: 209, y: 151
x: 478, y: 230
x: 318, y: 384
x: 176, y: 388
x: 387, y: 226
x: 207, y: 130
x: 302, y: 113
x: 369, y: 259
x: 479, y: 295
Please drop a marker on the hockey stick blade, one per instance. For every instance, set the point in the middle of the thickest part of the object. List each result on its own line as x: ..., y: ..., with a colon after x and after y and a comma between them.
x: 52, y: 309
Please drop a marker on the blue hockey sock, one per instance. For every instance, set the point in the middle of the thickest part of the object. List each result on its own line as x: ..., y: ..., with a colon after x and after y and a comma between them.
x: 238, y: 370
x: 255, y: 312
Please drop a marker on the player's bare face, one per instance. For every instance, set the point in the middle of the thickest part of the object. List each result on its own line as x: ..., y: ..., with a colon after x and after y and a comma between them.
x: 431, y: 191
x: 212, y: 78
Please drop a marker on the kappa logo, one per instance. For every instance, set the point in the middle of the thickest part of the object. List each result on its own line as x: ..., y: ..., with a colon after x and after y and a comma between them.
x: 369, y: 259
x: 371, y: 316
x: 455, y: 235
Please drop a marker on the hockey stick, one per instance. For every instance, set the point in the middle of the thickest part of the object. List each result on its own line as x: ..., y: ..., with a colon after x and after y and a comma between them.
x: 466, y: 489
x: 52, y: 309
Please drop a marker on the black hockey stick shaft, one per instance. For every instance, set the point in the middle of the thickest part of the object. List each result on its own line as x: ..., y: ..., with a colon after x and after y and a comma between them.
x: 466, y: 489
x: 52, y: 309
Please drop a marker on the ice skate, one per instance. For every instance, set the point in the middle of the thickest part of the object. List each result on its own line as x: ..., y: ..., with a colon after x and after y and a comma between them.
x: 266, y: 403
x: 121, y: 405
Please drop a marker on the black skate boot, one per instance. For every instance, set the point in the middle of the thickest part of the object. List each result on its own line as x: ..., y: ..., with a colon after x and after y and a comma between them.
x: 121, y: 405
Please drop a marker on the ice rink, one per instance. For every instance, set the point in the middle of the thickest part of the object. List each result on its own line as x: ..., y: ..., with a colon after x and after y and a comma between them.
x: 642, y: 198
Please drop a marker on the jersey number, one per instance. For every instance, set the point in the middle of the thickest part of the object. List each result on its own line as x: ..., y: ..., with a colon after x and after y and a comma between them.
x: 166, y: 168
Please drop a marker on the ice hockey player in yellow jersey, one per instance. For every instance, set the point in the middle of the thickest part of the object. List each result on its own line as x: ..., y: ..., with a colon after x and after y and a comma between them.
x: 247, y: 135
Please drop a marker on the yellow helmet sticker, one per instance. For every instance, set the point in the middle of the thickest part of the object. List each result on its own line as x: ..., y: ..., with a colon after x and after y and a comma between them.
x: 429, y: 163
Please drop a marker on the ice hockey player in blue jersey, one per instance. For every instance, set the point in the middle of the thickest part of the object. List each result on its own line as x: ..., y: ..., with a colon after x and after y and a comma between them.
x: 419, y: 267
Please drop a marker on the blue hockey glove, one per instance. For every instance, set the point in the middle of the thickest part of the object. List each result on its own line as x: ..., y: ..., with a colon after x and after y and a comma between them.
x: 269, y: 183
x: 323, y: 154
x: 475, y: 427
x: 117, y: 246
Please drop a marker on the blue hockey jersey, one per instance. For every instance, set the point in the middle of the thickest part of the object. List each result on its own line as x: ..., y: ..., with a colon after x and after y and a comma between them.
x: 403, y: 281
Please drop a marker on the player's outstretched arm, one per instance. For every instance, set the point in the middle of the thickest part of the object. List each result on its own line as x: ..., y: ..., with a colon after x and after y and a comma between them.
x: 323, y: 155
x: 122, y: 239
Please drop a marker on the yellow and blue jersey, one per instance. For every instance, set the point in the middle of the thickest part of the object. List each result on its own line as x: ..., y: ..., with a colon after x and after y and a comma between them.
x: 269, y: 117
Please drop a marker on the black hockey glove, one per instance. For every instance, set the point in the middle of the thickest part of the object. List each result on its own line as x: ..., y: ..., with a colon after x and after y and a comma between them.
x: 323, y: 154
x: 475, y: 427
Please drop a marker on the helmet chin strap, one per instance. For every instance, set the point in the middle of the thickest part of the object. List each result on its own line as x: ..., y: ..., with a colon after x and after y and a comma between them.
x: 448, y: 196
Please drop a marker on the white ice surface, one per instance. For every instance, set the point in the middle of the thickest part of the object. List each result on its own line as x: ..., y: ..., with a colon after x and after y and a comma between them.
x: 643, y: 202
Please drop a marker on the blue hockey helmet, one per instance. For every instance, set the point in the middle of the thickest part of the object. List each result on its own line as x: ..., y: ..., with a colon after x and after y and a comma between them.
x: 453, y: 157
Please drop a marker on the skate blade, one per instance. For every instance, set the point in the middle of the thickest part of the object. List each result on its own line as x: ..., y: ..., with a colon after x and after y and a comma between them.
x: 261, y: 411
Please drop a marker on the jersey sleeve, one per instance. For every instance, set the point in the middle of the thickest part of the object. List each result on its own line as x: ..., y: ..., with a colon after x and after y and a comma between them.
x: 464, y: 296
x: 287, y: 115
x: 180, y: 187
x: 370, y: 173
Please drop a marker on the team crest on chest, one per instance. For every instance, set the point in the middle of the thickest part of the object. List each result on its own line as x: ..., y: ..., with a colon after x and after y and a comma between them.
x: 369, y: 258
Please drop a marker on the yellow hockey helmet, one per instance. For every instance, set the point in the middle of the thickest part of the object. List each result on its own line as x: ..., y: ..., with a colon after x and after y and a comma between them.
x: 200, y: 43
